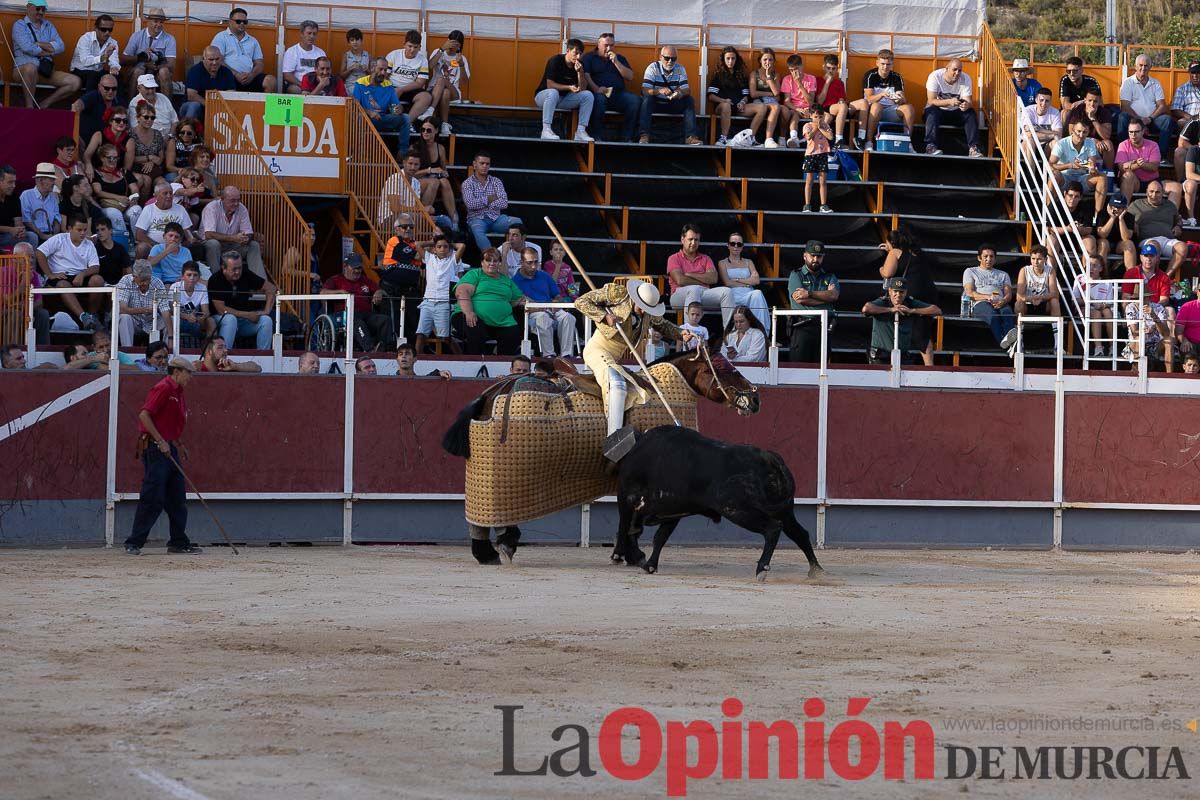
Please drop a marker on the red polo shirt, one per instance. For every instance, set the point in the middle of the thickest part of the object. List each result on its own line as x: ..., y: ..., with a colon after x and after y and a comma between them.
x: 690, y: 266
x: 1158, y: 285
x: 363, y: 290
x: 167, y: 409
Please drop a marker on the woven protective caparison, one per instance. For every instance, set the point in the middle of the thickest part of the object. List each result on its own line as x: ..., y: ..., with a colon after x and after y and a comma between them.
x: 551, y: 457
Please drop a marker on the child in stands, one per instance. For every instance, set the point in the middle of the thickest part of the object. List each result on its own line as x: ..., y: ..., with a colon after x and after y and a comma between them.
x: 817, y: 137
x: 798, y: 89
x: 356, y: 63
x: 441, y: 269
x: 695, y: 314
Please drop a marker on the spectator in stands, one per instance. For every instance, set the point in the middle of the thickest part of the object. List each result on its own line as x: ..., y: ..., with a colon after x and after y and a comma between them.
x: 1187, y: 328
x: 1185, y: 112
x: 195, y: 318
x: 167, y: 259
x: 1075, y: 85
x: 214, y: 357
x: 486, y: 299
x: 883, y: 100
x: 138, y: 293
x: 69, y: 260
x: 1142, y: 97
x: 1137, y: 161
x: 1191, y: 364
x: 817, y: 138
x: 150, y: 146
x: 114, y: 258
x: 115, y: 134
x: 539, y: 287
x: 76, y: 356
x: 356, y: 62
x: 242, y: 53
x: 1075, y: 158
x: 92, y: 107
x: 1100, y: 303
x: 694, y: 278
x: 96, y: 54
x: 152, y: 221
x: 35, y: 43
x: 406, y: 363
x: 741, y: 276
x: 1157, y: 219
x: 413, y: 195
x: 226, y: 226
x: 309, y: 362
x: 1145, y: 269
x: 231, y: 294
x: 112, y: 185
x: 150, y: 51
x: 665, y: 90
x: 372, y: 330
x: 65, y: 163
x: 1093, y: 111
x: 12, y: 356
x: 322, y: 81
x: 301, y: 58
x: 410, y: 74
x: 763, y: 88
x: 561, y: 271
x: 377, y: 95
x: 148, y: 94
x: 365, y: 365
x: 442, y: 266
x: 798, y: 89
x: 729, y: 89
x: 447, y: 66
x: 202, y: 162
x: 883, y: 311
x: 520, y: 365
x: 606, y: 72
x: 208, y: 73
x: 1161, y: 347
x: 187, y: 139
x: 514, y: 245
x: 948, y: 100
x: 39, y: 204
x: 76, y: 200
x: 484, y: 196
x: 990, y: 293
x: 157, y: 354
x: 1025, y: 86
x: 1037, y: 286
x: 744, y: 338
x: 1044, y: 118
x: 831, y: 96
x: 1191, y: 185
x: 402, y: 259
x: 656, y: 346
x: 433, y: 174
x: 1082, y: 222
x: 564, y: 85
x: 811, y: 288
x: 12, y: 216
x: 693, y: 323
x: 904, y: 258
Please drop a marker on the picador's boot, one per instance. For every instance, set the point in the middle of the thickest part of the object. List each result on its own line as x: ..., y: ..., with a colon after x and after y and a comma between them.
x: 620, y: 439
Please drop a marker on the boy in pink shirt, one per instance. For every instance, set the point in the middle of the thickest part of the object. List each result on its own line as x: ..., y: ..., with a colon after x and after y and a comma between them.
x: 817, y: 137
x: 798, y: 90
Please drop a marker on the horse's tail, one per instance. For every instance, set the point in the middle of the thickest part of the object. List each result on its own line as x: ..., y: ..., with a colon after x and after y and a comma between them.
x: 457, y: 440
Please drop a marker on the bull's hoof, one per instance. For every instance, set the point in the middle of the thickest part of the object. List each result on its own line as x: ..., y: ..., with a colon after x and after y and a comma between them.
x: 760, y: 574
x: 816, y: 573
x: 616, y: 557
x: 635, y: 559
x: 484, y: 553
x: 650, y: 568
x: 506, y: 553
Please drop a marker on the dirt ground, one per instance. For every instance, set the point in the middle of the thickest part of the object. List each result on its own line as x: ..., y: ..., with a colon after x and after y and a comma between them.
x: 373, y: 672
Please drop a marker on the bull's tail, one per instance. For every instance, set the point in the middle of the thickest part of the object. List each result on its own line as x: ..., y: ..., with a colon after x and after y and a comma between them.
x: 457, y: 439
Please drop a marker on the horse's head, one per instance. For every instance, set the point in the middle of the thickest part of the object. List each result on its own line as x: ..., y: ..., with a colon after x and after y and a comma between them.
x: 713, y: 376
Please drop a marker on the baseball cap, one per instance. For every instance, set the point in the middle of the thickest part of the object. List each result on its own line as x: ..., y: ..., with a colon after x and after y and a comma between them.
x: 898, y: 284
x: 1194, y: 66
x: 815, y: 247
x: 1149, y: 249
x: 1020, y: 63
x: 353, y: 260
x: 38, y: 3
x: 147, y: 81
x: 1117, y: 201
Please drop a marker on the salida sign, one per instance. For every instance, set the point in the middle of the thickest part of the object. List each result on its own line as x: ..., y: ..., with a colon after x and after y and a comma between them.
x: 308, y: 157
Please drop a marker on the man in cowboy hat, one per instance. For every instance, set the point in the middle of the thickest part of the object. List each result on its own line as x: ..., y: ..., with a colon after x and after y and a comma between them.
x: 151, y: 51
x: 635, y: 308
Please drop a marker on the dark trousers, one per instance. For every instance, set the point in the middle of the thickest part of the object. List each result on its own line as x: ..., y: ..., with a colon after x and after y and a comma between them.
x: 935, y: 116
x: 373, y: 329
x: 805, y: 345
x: 658, y: 105
x: 508, y: 338
x: 628, y: 103
x: 162, y: 490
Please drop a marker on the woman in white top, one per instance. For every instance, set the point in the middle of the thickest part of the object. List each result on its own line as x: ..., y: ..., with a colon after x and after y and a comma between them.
x: 447, y: 67
x: 744, y: 338
x: 1101, y: 301
x: 741, y: 276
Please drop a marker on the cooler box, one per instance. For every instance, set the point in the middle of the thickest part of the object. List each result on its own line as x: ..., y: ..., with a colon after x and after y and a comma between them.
x: 891, y: 138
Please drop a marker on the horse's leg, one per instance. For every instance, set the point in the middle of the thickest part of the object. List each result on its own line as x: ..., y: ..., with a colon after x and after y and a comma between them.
x: 770, y: 540
x: 797, y: 533
x: 507, y: 543
x: 660, y: 538
x: 624, y: 520
x: 634, y: 557
x: 481, y: 545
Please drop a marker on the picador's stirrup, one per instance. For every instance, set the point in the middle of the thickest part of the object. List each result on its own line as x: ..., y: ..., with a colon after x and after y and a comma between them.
x: 620, y: 442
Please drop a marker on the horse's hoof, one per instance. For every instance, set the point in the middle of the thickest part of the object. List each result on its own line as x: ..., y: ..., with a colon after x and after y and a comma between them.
x: 761, y: 577
x: 616, y: 558
x: 650, y: 568
x: 815, y: 573
x: 636, y: 559
x: 506, y: 554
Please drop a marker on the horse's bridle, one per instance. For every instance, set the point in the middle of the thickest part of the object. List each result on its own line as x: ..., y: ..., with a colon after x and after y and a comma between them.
x: 732, y: 401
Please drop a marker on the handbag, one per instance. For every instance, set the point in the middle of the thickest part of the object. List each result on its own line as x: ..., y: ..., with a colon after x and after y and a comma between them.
x: 45, y: 63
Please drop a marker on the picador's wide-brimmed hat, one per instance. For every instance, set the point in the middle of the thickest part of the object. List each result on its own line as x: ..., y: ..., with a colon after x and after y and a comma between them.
x: 645, y: 296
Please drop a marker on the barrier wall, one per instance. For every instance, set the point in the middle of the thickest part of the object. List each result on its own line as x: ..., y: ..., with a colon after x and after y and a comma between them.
x: 905, y: 466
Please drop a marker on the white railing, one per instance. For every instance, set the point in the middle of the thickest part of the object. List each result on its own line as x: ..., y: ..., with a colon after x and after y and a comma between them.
x: 277, y: 336
x: 822, y: 494
x: 31, y: 334
x: 1090, y: 319
x: 527, y: 345
x: 1038, y: 196
x: 773, y: 350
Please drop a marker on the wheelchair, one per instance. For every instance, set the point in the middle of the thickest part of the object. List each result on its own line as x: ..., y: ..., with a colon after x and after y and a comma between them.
x: 327, y: 333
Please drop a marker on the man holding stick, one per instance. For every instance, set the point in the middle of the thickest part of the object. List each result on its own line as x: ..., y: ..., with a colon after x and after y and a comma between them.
x: 162, y: 418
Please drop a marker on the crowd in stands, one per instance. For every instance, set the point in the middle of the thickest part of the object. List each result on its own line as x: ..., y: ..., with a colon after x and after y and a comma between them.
x: 135, y: 202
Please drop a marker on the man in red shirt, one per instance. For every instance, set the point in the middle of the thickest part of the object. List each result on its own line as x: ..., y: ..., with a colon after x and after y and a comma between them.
x: 1157, y: 283
x: 372, y: 331
x: 831, y: 95
x: 162, y: 418
x: 693, y: 277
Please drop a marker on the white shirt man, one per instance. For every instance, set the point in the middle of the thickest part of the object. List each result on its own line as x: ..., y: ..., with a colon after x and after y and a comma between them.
x: 1143, y: 98
x: 97, y: 50
x: 153, y: 219
x: 1045, y: 118
x: 165, y: 117
x: 301, y: 58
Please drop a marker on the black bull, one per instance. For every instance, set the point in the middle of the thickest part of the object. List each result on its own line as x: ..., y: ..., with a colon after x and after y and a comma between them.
x: 673, y: 472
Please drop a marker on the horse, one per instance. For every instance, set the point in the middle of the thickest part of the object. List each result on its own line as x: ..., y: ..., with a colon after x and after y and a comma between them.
x: 534, y: 445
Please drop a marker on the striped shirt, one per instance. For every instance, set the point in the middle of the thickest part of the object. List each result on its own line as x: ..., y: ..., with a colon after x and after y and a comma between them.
x: 655, y: 78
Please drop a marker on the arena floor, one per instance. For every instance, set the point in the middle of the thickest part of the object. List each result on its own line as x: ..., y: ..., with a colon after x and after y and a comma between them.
x: 374, y: 672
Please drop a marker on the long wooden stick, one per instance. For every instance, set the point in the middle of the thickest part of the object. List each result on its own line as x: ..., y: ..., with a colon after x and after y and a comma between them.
x: 637, y: 356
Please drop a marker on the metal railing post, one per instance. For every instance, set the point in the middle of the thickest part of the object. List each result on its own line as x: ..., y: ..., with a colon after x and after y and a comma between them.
x: 895, y: 353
